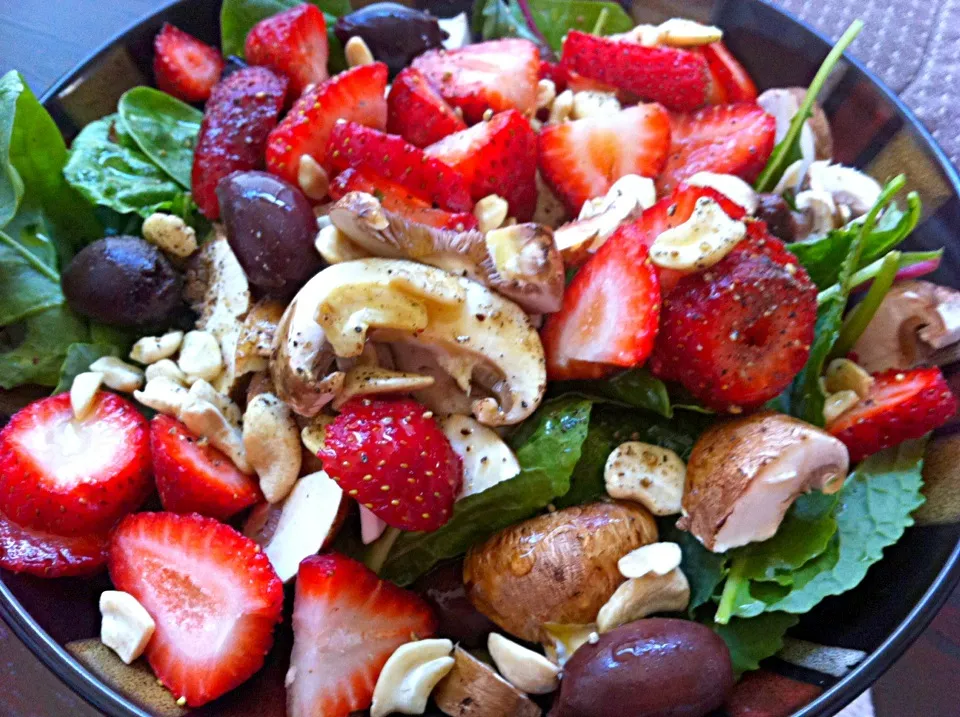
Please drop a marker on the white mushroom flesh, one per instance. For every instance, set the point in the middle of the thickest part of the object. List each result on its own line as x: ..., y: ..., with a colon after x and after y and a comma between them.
x: 487, y: 460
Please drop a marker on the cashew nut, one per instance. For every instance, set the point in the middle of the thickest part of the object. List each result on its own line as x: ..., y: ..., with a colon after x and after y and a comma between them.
x: 836, y: 404
x: 491, y: 212
x: 170, y: 234
x: 357, y: 52
x: 562, y: 108
x: 165, y: 368
x: 564, y: 640
x: 730, y: 186
x: 200, y: 356
x: 646, y: 474
x: 206, y: 420
x: 588, y: 103
x: 846, y: 375
x: 658, y: 558
x: 226, y: 406
x: 523, y: 668
x: 680, y: 32
x: 546, y: 94
x: 151, y: 349
x: 117, y: 374
x: 163, y: 395
x: 639, y: 597
x: 83, y: 391
x: 335, y: 247
x: 701, y: 241
x: 409, y: 676
x: 272, y: 444
x: 127, y: 626
x: 312, y: 178
x: 312, y: 434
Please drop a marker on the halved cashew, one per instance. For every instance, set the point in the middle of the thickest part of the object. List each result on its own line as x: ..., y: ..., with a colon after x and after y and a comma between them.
x: 646, y: 474
x: 701, y: 241
x: 207, y: 421
x: 491, y: 212
x: 151, y: 349
x: 165, y: 368
x: 680, y: 32
x: 657, y: 558
x: 229, y: 409
x: 200, y: 356
x: 357, y: 52
x: 639, y: 597
x: 127, y: 626
x: 82, y: 392
x: 846, y: 375
x: 170, y: 233
x: 562, y: 108
x: 588, y: 103
x: 312, y: 434
x: 564, y: 640
x: 117, y: 374
x: 730, y: 186
x: 272, y: 443
x: 335, y: 247
x: 312, y: 178
x: 523, y: 668
x: 409, y: 676
x: 487, y: 459
x: 836, y: 404
x: 163, y: 395
x: 546, y: 94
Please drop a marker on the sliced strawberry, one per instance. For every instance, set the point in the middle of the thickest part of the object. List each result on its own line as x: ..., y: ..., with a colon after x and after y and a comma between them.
x: 556, y: 73
x: 497, y: 75
x: 69, y: 476
x: 346, y: 623
x: 901, y: 405
x: 212, y: 592
x: 496, y: 157
x: 726, y: 139
x: 183, y: 66
x: 293, y: 43
x: 610, y: 314
x: 395, y: 198
x: 391, y: 456
x: 194, y: 477
x: 678, y: 79
x: 417, y: 112
x: 242, y: 111
x: 582, y: 159
x: 727, y: 73
x: 390, y: 157
x: 37, y: 552
x: 357, y: 95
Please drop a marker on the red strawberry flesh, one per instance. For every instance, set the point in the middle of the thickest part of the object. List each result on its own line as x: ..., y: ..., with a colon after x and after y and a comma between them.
x: 293, y: 43
x: 183, y: 66
x: 417, y: 112
x: 37, y: 552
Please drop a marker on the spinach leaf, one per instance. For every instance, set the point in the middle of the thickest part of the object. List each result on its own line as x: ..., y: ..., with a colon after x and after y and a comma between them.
x: 493, y: 19
x: 29, y: 281
x: 164, y: 128
x: 756, y: 639
x: 107, y: 167
x: 237, y: 17
x: 636, y: 387
x: 787, y: 150
x: 78, y: 359
x: 705, y: 571
x: 548, y: 447
x: 32, y: 351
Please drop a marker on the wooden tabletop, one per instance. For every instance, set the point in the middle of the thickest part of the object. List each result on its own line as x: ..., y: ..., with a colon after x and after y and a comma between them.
x: 44, y: 39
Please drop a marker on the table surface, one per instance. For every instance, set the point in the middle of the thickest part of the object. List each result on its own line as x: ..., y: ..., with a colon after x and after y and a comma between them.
x: 44, y: 39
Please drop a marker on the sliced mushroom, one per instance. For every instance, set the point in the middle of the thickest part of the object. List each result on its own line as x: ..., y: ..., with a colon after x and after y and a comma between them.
x: 255, y: 342
x: 370, y: 380
x: 477, y: 336
x: 474, y: 689
x: 745, y: 473
x: 444, y: 396
x: 849, y: 187
x: 918, y: 323
x: 520, y: 262
x: 784, y: 102
x: 487, y: 459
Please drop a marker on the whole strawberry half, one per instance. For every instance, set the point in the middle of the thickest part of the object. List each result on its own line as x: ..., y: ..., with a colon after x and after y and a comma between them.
x: 293, y: 43
x: 69, y: 476
x: 346, y: 623
x: 582, y: 159
x: 497, y: 75
x: 212, y: 592
x: 398, y: 199
x: 356, y: 95
x: 237, y: 120
x: 183, y: 66
x: 194, y: 477
x: 496, y: 157
x: 677, y: 79
x: 900, y: 405
x: 386, y: 155
x: 46, y: 555
x: 729, y: 77
x: 417, y: 112
x: 391, y: 456
x: 725, y: 139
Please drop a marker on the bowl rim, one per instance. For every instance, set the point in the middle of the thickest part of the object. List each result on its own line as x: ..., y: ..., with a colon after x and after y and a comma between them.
x: 101, y: 696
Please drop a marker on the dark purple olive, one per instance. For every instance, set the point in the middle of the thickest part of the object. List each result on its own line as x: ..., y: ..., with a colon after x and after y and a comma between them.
x: 271, y: 228
x: 232, y: 64
x: 781, y: 221
x: 459, y: 620
x: 394, y: 33
x: 659, y: 667
x: 123, y: 281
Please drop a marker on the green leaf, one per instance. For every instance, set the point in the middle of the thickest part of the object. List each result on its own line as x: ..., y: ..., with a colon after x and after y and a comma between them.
x: 704, y: 570
x: 788, y: 149
x: 548, y: 446
x: 870, y: 271
x: 494, y: 19
x: 237, y: 17
x: 164, y: 128
x: 862, y: 314
x: 756, y: 639
x: 636, y: 387
x: 33, y: 350
x: 78, y: 359
x: 107, y: 167
x: 29, y: 281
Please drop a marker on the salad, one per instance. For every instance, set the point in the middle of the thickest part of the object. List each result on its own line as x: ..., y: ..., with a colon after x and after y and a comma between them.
x: 540, y: 357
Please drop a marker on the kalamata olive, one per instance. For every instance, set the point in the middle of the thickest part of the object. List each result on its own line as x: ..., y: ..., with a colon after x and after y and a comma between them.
x: 460, y: 621
x: 271, y: 229
x: 780, y: 219
x: 658, y: 667
x: 123, y: 281
x: 394, y: 33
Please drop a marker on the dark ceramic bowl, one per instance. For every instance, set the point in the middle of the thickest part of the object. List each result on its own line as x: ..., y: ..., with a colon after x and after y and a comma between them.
x: 872, y: 130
